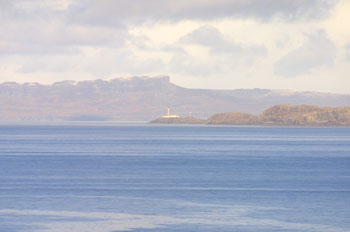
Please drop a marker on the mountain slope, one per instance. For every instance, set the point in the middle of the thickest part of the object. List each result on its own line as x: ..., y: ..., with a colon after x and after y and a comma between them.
x: 141, y: 98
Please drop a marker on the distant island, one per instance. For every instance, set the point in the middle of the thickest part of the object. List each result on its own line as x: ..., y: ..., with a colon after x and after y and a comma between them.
x: 143, y: 99
x: 278, y: 115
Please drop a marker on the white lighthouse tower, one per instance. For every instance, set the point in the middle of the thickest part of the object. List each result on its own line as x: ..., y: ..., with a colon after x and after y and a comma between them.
x: 170, y: 115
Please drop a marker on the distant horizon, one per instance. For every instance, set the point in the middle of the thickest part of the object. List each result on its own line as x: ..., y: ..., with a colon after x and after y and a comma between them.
x: 161, y: 76
x: 143, y: 99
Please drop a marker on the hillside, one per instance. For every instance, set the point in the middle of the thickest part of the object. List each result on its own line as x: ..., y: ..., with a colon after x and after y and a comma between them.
x: 141, y: 98
x: 279, y: 115
x: 305, y: 115
x: 233, y: 118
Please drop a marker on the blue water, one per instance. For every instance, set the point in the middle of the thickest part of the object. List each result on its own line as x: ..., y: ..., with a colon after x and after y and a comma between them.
x: 135, y: 177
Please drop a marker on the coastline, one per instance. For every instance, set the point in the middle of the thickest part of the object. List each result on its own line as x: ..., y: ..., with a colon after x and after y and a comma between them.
x: 278, y: 115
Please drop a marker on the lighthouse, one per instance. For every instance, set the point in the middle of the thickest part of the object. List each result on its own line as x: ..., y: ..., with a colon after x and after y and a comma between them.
x: 170, y: 115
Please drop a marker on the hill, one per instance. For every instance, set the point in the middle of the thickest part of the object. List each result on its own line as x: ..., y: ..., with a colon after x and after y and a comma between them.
x: 305, y: 115
x: 141, y: 99
x: 233, y: 118
x: 279, y: 115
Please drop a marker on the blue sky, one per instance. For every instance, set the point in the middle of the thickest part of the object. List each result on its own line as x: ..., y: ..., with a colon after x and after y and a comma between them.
x: 222, y: 44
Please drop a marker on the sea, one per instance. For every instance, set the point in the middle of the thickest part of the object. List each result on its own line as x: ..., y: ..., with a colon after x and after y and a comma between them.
x: 138, y: 177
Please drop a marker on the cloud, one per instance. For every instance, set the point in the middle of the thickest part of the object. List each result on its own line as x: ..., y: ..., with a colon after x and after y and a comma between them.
x: 31, y: 11
x: 232, y: 43
x: 60, y: 26
x: 119, y: 13
x: 215, y: 55
x: 55, y: 37
x: 41, y: 27
x: 109, y: 61
x: 347, y: 52
x: 184, y: 63
x: 212, y: 38
x: 205, y: 35
x: 317, y: 51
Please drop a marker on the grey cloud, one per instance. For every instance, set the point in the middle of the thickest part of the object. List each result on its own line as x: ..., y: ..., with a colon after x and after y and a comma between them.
x: 45, y: 64
x: 225, y: 54
x: 105, y: 62
x: 38, y: 27
x: 347, y: 52
x: 24, y: 10
x: 15, y: 48
x: 119, y: 12
x: 121, y: 60
x: 260, y: 9
x: 212, y: 38
x: 184, y: 63
x: 141, y: 42
x: 55, y: 38
x: 316, y: 52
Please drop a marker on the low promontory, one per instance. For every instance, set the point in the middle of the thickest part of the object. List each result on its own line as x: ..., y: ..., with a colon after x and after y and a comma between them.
x: 279, y: 115
x: 179, y: 120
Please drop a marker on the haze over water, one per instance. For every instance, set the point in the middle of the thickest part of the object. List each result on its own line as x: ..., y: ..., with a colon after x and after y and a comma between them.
x: 136, y: 177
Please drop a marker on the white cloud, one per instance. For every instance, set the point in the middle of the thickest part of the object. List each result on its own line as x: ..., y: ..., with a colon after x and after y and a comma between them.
x: 317, y: 51
x: 337, y: 24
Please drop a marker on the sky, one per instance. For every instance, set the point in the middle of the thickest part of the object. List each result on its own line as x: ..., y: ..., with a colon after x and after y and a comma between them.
x: 301, y: 45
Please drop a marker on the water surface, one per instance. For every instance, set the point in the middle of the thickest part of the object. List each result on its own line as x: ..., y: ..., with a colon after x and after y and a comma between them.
x: 138, y: 177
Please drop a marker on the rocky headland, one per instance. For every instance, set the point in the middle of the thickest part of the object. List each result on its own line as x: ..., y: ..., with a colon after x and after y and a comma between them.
x: 278, y: 115
x: 179, y: 120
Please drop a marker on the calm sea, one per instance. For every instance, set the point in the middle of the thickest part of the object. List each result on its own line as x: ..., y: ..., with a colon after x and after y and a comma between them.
x: 138, y: 177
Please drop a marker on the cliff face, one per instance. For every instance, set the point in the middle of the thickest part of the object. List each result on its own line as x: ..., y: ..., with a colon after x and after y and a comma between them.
x: 142, y: 98
x: 305, y: 115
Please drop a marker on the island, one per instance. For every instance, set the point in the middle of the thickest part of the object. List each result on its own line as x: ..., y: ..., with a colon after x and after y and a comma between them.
x: 278, y: 115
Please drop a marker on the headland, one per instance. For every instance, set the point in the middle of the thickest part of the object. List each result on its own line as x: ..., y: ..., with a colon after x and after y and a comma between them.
x: 278, y: 115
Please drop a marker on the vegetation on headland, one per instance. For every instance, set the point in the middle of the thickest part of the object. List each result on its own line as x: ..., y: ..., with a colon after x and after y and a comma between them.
x: 278, y: 115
